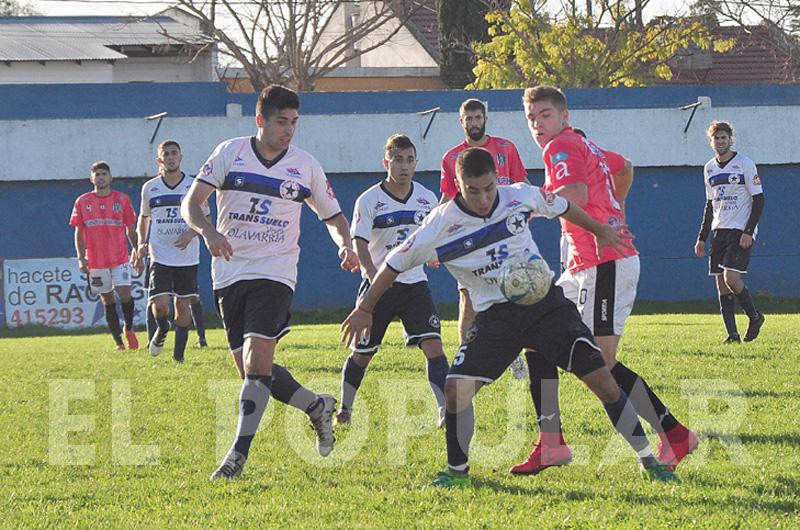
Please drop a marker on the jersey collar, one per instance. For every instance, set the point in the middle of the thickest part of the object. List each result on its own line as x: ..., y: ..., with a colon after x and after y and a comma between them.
x: 390, y: 194
x: 267, y: 163
x: 164, y: 181
x: 459, y: 202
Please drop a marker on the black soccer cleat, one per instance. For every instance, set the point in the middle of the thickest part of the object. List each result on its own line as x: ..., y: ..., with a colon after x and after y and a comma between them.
x: 231, y: 466
x: 754, y: 327
x: 732, y: 339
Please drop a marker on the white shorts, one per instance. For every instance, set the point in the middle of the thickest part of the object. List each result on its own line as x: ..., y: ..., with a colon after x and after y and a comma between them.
x: 102, y: 281
x: 604, y: 294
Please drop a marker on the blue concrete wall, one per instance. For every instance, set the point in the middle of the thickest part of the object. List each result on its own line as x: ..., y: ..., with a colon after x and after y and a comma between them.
x: 119, y: 100
x: 664, y: 211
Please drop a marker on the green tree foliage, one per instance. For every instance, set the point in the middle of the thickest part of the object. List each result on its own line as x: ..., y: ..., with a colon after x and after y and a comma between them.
x: 592, y: 44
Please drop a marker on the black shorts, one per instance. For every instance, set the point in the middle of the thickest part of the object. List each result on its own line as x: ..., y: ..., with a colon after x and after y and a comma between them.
x: 726, y: 252
x: 552, y: 327
x: 254, y: 308
x: 178, y: 281
x: 413, y: 304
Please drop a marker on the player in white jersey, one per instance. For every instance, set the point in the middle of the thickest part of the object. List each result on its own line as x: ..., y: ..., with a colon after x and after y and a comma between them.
x: 173, y: 248
x: 472, y: 236
x: 734, y: 203
x: 384, y: 217
x: 261, y: 184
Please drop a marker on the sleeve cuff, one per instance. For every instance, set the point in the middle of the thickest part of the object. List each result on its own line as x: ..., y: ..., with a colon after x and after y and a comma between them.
x: 337, y: 214
x: 207, y: 182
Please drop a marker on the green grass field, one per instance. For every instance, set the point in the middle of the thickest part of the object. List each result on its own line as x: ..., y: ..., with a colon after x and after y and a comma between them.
x: 95, y: 438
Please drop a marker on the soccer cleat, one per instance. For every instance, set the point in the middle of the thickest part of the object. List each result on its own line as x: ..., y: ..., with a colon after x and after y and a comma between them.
x: 754, y: 327
x: 157, y: 344
x: 177, y: 358
x: 675, y: 444
x: 322, y: 422
x: 440, y: 422
x: 658, y: 472
x: 202, y: 343
x: 231, y: 466
x: 732, y: 339
x: 546, y: 453
x: 518, y: 368
x: 446, y: 479
x: 119, y: 347
x: 345, y: 417
x: 133, y: 342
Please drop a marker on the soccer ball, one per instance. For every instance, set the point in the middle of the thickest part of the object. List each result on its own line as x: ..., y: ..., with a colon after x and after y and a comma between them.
x: 525, y: 278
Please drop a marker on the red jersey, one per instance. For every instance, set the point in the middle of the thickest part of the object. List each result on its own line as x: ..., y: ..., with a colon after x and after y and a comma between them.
x: 570, y: 159
x: 103, y: 220
x: 506, y: 158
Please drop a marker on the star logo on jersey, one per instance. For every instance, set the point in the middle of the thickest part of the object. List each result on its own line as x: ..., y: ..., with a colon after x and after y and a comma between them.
x: 733, y: 179
x: 390, y: 220
x: 419, y: 216
x: 501, y: 159
x: 238, y: 182
x: 757, y: 180
x: 516, y: 223
x: 290, y: 190
x: 468, y: 244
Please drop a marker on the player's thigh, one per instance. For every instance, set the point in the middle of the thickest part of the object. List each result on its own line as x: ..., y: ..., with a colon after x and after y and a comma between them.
x: 382, y: 315
x: 100, y: 281
x: 563, y: 338
x: 161, y: 284
x: 230, y: 307
x: 719, y: 248
x: 419, y: 315
x: 494, y: 342
x: 184, y: 284
x: 266, y: 308
x: 121, y: 275
x: 736, y: 258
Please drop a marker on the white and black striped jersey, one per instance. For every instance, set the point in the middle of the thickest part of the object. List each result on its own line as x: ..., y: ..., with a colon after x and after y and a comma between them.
x: 730, y: 189
x: 259, y: 203
x: 385, y: 221
x: 162, y: 203
x: 473, y: 248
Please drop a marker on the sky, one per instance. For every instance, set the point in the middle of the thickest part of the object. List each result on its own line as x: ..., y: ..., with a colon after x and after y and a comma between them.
x: 148, y: 7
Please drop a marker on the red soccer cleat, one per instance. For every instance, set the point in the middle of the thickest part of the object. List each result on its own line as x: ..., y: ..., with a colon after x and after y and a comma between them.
x: 130, y: 336
x: 549, y: 451
x: 675, y: 444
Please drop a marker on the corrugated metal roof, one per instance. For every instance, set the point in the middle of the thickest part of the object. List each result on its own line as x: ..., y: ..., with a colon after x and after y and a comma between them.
x: 84, y: 38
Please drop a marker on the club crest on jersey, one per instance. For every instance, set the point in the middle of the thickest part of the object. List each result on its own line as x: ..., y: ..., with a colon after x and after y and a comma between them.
x: 501, y: 159
x: 208, y: 169
x: 419, y: 216
x: 434, y: 321
x: 548, y: 196
x: 238, y: 182
x: 329, y: 192
x: 733, y: 179
x: 757, y: 180
x: 516, y: 223
x: 116, y: 208
x: 558, y: 157
x: 290, y: 190
x: 468, y: 244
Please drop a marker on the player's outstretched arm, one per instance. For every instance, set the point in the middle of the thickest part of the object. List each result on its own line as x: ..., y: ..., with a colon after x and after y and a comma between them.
x: 192, y: 213
x: 339, y: 230
x: 616, y: 237
x: 359, y: 322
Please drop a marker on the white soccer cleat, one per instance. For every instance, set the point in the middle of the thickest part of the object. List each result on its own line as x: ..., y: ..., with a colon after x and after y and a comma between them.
x: 322, y: 421
x: 518, y: 368
x: 157, y: 343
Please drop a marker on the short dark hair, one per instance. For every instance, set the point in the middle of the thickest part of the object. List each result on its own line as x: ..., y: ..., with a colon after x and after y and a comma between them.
x: 167, y: 143
x: 399, y: 141
x: 100, y: 164
x: 545, y: 93
x: 717, y: 126
x: 578, y: 131
x: 474, y: 162
x: 472, y: 104
x: 276, y: 98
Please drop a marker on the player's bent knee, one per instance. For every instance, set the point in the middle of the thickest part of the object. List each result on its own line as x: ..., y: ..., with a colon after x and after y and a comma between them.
x: 361, y: 359
x: 432, y: 348
x: 602, y: 383
x: 459, y: 393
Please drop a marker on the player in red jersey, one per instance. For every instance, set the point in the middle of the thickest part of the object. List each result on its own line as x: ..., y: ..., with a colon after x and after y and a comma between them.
x: 102, y: 219
x: 602, y: 287
x: 472, y: 116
